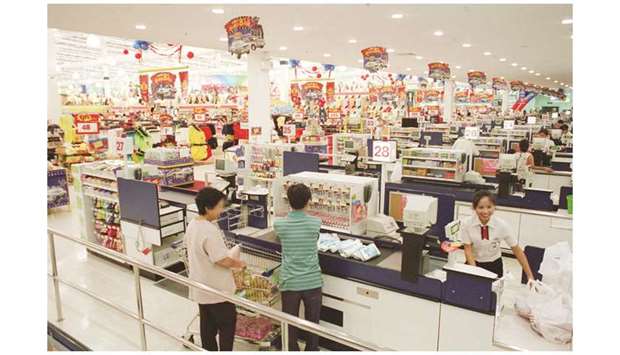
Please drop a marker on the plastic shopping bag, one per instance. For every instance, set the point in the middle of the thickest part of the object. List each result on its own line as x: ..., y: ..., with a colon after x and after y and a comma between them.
x: 557, y: 267
x: 554, y: 319
x: 537, y: 294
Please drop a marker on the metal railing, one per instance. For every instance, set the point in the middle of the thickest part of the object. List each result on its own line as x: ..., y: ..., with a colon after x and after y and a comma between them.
x: 284, y: 318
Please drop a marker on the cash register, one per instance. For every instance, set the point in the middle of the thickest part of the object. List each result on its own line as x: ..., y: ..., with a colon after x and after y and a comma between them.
x: 506, y: 176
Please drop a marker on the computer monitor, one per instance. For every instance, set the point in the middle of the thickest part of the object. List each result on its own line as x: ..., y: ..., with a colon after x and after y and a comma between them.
x: 296, y: 162
x: 436, y: 138
x: 507, y: 162
x: 556, y: 133
x: 409, y: 122
x: 539, y: 143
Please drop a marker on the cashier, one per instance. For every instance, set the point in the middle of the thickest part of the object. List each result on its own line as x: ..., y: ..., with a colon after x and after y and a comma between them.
x: 482, y: 235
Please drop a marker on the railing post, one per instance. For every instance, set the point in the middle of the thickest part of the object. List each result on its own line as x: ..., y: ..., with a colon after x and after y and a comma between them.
x: 284, y: 332
x: 136, y: 276
x: 52, y: 251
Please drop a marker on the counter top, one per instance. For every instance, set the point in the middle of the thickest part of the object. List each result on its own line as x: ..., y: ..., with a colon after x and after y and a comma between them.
x: 563, y: 214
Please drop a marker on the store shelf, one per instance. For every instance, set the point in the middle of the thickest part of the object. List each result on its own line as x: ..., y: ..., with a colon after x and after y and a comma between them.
x: 428, y: 167
x: 100, y: 197
x: 174, y: 166
x: 429, y: 178
x: 428, y: 158
x: 109, y: 188
x: 101, y: 176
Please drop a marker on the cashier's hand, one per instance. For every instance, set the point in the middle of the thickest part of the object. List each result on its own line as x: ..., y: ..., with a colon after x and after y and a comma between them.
x: 530, y: 283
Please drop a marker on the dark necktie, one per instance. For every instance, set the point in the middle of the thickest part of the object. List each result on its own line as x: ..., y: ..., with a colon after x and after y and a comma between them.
x: 484, y: 231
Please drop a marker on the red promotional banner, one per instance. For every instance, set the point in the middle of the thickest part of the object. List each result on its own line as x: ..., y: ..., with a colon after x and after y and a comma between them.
x: 86, y: 123
x: 439, y: 71
x: 184, y: 79
x: 312, y: 90
x: 375, y: 58
x: 144, y: 87
x: 162, y: 85
x: 330, y: 90
x: 295, y: 94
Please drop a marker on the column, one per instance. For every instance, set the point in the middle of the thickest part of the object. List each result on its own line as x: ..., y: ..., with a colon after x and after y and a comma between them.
x: 505, y: 97
x: 53, y: 96
x: 259, y: 112
x: 448, y: 101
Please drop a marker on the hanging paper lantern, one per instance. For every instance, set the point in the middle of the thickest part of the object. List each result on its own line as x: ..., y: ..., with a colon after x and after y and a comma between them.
x: 375, y: 59
x: 318, y: 76
x: 125, y: 51
x: 138, y: 55
x: 190, y: 54
x: 314, y: 68
x: 439, y: 71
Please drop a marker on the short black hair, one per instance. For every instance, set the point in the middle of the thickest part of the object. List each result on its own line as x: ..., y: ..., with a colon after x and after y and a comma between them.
x: 524, y: 145
x: 564, y: 127
x: 560, y: 122
x: 544, y: 131
x: 207, y: 199
x: 479, y: 195
x: 298, y: 196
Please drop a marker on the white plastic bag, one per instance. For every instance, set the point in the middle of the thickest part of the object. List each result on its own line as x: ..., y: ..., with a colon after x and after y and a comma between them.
x: 557, y: 268
x: 554, y: 319
x: 537, y: 294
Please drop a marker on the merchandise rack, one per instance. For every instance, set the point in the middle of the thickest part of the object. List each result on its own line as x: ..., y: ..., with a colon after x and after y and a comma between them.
x: 405, y: 137
x: 349, y: 141
x: 434, y: 164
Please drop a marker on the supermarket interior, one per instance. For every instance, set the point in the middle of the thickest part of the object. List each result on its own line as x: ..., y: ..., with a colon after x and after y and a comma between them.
x: 405, y: 170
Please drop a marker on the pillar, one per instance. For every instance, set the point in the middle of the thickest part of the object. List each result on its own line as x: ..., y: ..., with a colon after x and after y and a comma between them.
x: 259, y: 112
x: 53, y: 96
x: 505, y: 96
x: 448, y: 101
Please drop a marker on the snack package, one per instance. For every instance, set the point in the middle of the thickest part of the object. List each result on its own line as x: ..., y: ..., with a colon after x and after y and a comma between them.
x: 349, y: 247
x: 367, y: 252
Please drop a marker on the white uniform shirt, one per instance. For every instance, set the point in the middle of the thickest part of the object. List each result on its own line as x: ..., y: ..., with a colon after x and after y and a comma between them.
x: 205, y: 247
x: 487, y: 250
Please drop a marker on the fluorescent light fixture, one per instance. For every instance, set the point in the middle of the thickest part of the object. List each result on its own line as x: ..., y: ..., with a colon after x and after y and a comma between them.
x: 223, y: 39
x: 419, y: 57
x: 555, y: 81
x: 537, y: 74
x: 298, y: 28
x: 567, y: 21
x: 501, y: 77
x: 283, y: 48
x: 561, y: 83
x: 397, y: 16
x: 352, y: 41
x: 438, y: 33
x: 458, y: 67
x: 93, y: 41
x: 327, y: 55
x: 547, y: 78
x: 453, y: 76
x: 514, y: 64
x: 217, y: 11
x: 466, y: 45
x: 140, y: 27
x: 408, y: 69
x: 531, y: 72
x: 390, y: 50
x: 523, y: 68
x: 502, y: 59
x: 486, y: 53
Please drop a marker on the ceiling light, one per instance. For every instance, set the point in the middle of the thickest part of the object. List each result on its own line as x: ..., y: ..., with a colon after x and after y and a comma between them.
x: 514, y: 64
x: 390, y: 50
x: 523, y: 68
x: 419, y: 57
x: 217, y: 11
x: 438, y: 33
x: 327, y: 55
x: 567, y: 21
x: 352, y: 41
x: 93, y: 41
x: 466, y: 45
x: 526, y: 83
x: 458, y: 67
x: 397, y: 16
x: 140, y: 27
x: 298, y: 28
x: 470, y: 70
x: 531, y: 72
x: 547, y: 78
x: 223, y: 39
x: 453, y: 76
x: 501, y: 77
x: 486, y: 53
x: 283, y: 48
x: 555, y: 81
x: 502, y: 59
x: 408, y: 69
x: 537, y: 74
x: 561, y: 83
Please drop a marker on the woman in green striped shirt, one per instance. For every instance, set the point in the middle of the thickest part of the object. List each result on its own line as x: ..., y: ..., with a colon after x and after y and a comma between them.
x: 300, y: 277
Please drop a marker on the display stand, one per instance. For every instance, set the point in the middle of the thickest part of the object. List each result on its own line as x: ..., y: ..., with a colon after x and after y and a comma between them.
x: 434, y: 164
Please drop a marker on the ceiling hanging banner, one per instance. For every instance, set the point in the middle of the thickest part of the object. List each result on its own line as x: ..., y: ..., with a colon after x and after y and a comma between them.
x: 184, y: 79
x: 312, y: 90
x: 517, y: 85
x: 375, y: 59
x: 524, y: 98
x: 162, y: 85
x: 245, y: 34
x: 330, y: 91
x: 476, y: 78
x: 439, y: 71
x: 499, y: 84
x: 144, y: 87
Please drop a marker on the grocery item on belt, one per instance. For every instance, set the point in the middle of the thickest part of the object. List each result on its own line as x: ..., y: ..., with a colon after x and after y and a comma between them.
x: 349, y: 246
x: 367, y: 252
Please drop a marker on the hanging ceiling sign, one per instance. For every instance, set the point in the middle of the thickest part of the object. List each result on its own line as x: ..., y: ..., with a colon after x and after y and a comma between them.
x: 312, y: 90
x: 462, y: 96
x: 375, y: 59
x: 439, y: 71
x: 476, y: 78
x: 532, y: 88
x: 245, y: 34
x: 86, y: 123
x: 162, y: 85
x: 499, y: 84
x: 517, y: 85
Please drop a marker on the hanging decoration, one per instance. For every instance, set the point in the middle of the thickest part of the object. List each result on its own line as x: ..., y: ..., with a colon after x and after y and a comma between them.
x: 295, y: 94
x: 144, y: 87
x: 439, y: 71
x: 184, y: 79
x: 245, y: 34
x: 329, y: 68
x: 190, y: 55
x: 330, y: 91
x: 461, y: 97
x: 476, y: 78
x: 532, y: 88
x: 546, y: 91
x: 138, y: 55
x: 524, y: 98
x: 165, y: 50
x: 125, y: 51
x: 312, y: 90
x: 499, y: 84
x: 516, y: 85
x: 162, y: 85
x: 141, y: 45
x: 375, y: 59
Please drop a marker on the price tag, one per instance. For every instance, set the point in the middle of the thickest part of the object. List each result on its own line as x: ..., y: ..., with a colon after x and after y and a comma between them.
x: 289, y: 130
x: 531, y: 120
x: 384, y: 151
x: 200, y: 117
x: 114, y: 137
x: 333, y: 115
x: 244, y: 125
x: 126, y: 145
x: 509, y: 124
x: 472, y: 132
x: 298, y: 116
x: 370, y: 123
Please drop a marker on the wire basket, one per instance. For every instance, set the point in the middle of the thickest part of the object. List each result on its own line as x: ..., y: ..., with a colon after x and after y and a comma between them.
x: 258, y: 282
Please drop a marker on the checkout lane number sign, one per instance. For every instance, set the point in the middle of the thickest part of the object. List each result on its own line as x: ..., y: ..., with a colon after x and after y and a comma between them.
x: 384, y: 151
x: 472, y: 132
x: 509, y: 124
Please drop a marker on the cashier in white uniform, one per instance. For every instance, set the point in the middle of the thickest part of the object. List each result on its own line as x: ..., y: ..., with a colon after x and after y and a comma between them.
x: 482, y: 235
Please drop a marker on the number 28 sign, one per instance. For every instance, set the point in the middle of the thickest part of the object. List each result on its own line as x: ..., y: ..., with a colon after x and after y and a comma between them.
x: 384, y: 151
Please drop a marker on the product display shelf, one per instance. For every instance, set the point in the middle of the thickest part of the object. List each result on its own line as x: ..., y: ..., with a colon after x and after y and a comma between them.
x: 434, y: 164
x: 348, y: 143
x: 490, y: 147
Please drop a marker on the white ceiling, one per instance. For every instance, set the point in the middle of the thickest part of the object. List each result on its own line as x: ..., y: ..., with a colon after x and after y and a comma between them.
x: 530, y: 35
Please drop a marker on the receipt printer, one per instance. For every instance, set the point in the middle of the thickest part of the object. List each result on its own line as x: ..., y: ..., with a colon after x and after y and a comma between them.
x: 380, y: 225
